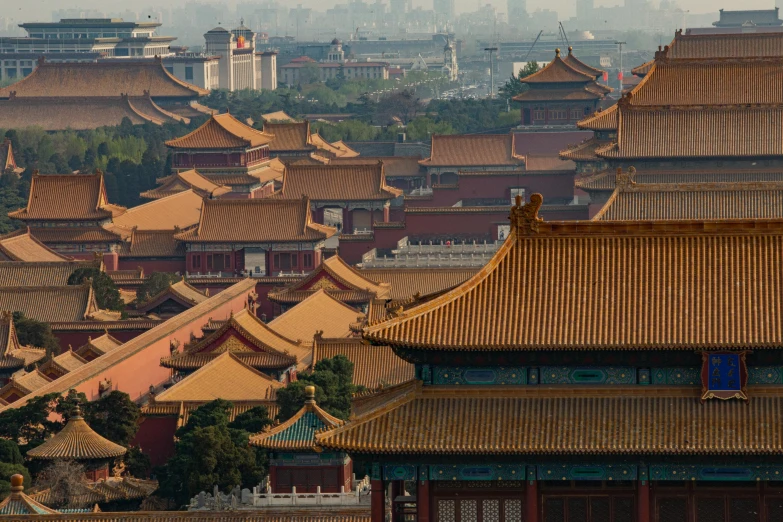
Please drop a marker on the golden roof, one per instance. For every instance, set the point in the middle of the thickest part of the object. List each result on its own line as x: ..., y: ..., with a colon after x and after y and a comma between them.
x: 51, y: 273
x: 724, y: 45
x: 152, y: 243
x: 186, y: 180
x: 277, y: 116
x: 50, y: 304
x: 76, y: 441
x: 23, y: 383
x: 480, y: 150
x: 406, y: 283
x: 221, y: 131
x: 393, y: 166
x: 605, y: 120
x: 98, y: 346
x: 559, y: 71
x: 337, y: 183
x: 318, y: 313
x: 575, y: 63
x: 12, y: 354
x: 18, y: 503
x: 180, y: 210
x: 181, y: 292
x: 373, y: 366
x: 609, y: 285
x: 62, y: 364
x: 20, y: 245
x: 289, y: 137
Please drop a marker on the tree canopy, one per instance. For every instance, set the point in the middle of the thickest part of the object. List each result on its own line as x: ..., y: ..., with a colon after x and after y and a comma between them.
x: 32, y: 332
x: 155, y: 284
x: 106, y: 293
x: 513, y: 86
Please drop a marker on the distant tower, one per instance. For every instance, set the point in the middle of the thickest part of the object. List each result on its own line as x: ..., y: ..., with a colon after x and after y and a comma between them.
x: 517, y: 11
x: 220, y: 42
x: 444, y: 10
x: 336, y: 53
x: 450, y: 60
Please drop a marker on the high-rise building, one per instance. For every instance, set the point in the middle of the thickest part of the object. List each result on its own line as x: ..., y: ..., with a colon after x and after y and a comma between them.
x: 517, y: 11
x: 444, y: 9
x: 584, y: 10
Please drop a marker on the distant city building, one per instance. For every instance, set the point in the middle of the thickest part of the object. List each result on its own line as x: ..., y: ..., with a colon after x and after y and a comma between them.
x: 450, y: 61
x: 517, y: 11
x: 304, y: 69
x: 753, y: 18
x: 444, y: 9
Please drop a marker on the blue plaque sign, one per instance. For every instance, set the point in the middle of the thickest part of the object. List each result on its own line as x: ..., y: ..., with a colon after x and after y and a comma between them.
x: 724, y: 375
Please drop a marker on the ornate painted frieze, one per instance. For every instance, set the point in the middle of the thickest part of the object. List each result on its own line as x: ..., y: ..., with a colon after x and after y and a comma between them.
x: 587, y: 375
x: 478, y: 472
x: 676, y: 376
x: 716, y: 473
x: 587, y: 471
x: 489, y: 375
x: 399, y: 472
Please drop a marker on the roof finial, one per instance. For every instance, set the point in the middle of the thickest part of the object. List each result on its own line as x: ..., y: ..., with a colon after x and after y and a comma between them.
x: 557, y: 52
x: 524, y: 217
x: 310, y: 394
x: 623, y: 180
x: 17, y: 483
x: 570, y: 50
x: 77, y: 412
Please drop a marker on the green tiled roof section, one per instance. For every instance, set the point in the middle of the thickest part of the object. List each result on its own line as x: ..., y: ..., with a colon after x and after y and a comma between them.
x: 302, y: 430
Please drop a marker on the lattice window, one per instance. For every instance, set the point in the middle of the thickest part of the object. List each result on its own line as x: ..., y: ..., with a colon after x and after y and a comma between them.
x: 447, y: 511
x: 710, y: 509
x: 623, y: 509
x: 554, y: 510
x: 490, y: 511
x: 673, y: 509
x: 599, y: 510
x: 468, y: 511
x: 745, y: 510
x: 513, y: 510
x: 577, y: 509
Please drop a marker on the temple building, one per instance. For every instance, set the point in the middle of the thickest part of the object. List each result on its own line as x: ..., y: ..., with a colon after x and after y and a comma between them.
x: 174, y: 300
x: 7, y: 161
x: 183, y: 180
x: 77, y: 96
x: 319, y: 314
x: 293, y: 140
x: 358, y: 193
x: 156, y: 250
x: 562, y: 93
x: 177, y: 211
x: 72, y: 225
x: 249, y: 339
x: 14, y: 356
x: 227, y: 152
x: 52, y: 304
x: 254, y: 236
x: 21, y: 245
x: 295, y: 461
x: 640, y: 395
x: 451, y: 154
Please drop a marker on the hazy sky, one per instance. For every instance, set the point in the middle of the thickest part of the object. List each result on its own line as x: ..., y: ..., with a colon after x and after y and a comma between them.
x: 38, y: 10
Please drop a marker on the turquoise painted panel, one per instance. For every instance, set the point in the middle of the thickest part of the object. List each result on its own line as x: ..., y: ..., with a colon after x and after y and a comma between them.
x: 716, y: 473
x: 478, y: 472
x: 399, y: 472
x: 587, y: 472
x: 677, y: 376
x: 588, y: 375
x: 765, y: 375
x: 498, y: 375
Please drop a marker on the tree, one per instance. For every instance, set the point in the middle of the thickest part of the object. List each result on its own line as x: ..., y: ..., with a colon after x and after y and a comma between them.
x: 513, y: 86
x: 137, y: 464
x: 403, y: 105
x: 64, y: 479
x: 309, y: 73
x: 155, y: 284
x: 103, y: 149
x: 333, y: 381
x: 75, y: 163
x: 67, y: 404
x: 106, y: 293
x: 29, y: 425
x: 114, y: 416
x: 32, y: 332
x: 9, y: 452
x: 7, y: 470
x: 253, y: 420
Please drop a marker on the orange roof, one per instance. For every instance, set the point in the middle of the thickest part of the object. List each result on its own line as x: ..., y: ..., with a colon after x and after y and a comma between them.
x: 256, y: 221
x: 7, y: 161
x: 16, y: 273
x: 152, y: 243
x: 20, y: 245
x: 393, y: 166
x: 98, y: 346
x: 373, y: 366
x: 318, y: 313
x: 186, y: 180
x: 347, y: 152
x: 408, y: 282
x: 605, y: 180
x: 738, y: 45
x: 612, y: 420
x: 181, y: 292
x: 609, y: 285
x: 62, y: 364
x: 177, y: 211
x: 337, y: 183
x: 567, y: 94
x: 585, y: 151
x: 76, y: 441
x: 106, y: 78
x: 558, y: 71
x: 14, y: 356
x: 72, y: 197
x: 278, y: 116
x: 580, y: 66
x: 642, y: 70
x: 605, y: 120
x: 473, y: 150
x: 50, y: 304
x: 221, y: 131
x: 290, y: 137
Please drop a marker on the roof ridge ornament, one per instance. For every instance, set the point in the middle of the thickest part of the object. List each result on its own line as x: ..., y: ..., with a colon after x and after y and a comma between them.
x: 524, y: 217
x: 624, y: 180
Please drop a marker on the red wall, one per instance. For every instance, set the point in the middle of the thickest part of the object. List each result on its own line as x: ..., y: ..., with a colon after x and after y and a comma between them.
x: 156, y: 438
x: 78, y: 338
x: 153, y: 265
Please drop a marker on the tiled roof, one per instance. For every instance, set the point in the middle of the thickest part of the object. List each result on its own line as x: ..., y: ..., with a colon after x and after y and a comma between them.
x: 107, y: 78
x: 337, y: 183
x: 87, y: 494
x: 14, y: 356
x: 289, y: 137
x: 183, y: 409
x: 576, y: 93
x: 605, y: 180
x: 298, y: 432
x: 256, y: 221
x: 182, y: 181
x: 75, y: 235
x: 18, y: 503
x: 373, y: 366
x: 20, y: 245
x: 50, y: 304
x: 473, y: 150
x: 547, y: 163
x: 52, y: 273
x: 698, y: 132
x: 408, y: 282
x: 72, y: 197
x: 76, y: 441
x: 631, y: 201
x: 563, y: 421
x: 181, y: 292
x: 152, y: 243
x: 585, y: 151
x: 8, y: 162
x: 318, y: 313
x: 99, y: 346
x: 225, y: 377
x: 347, y: 152
x: 738, y: 45
x: 62, y: 364
x: 24, y: 383
x: 221, y: 131
x: 179, y: 210
x: 336, y: 277
x: 360, y: 514
x: 393, y: 166
x: 273, y: 351
x: 580, y: 66
x: 558, y: 71
x: 604, y: 120
x: 278, y: 116
x: 643, y: 69
x: 609, y: 285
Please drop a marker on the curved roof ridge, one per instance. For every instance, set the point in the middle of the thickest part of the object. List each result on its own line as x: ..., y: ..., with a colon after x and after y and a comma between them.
x: 558, y: 71
x: 77, y: 441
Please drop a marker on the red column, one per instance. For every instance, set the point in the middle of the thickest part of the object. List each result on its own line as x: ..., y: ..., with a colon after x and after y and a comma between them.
x: 386, y: 214
x: 531, y: 501
x: 347, y: 221
x: 377, y: 501
x: 643, y: 501
x: 423, y: 501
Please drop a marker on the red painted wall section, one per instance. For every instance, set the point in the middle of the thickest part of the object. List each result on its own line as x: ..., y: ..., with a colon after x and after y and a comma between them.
x: 78, y: 338
x: 156, y: 438
x: 110, y: 259
x: 153, y: 265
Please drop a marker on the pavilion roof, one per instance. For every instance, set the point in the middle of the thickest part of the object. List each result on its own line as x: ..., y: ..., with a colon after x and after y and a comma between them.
x: 177, y: 211
x: 50, y: 304
x: 575, y: 63
x: 20, y: 245
x: 272, y: 350
x: 337, y: 183
x: 338, y: 279
x: 586, y: 92
x: 675, y: 201
x: 347, y: 151
x: 559, y: 71
x: 585, y: 151
x: 290, y: 137
x: 18, y: 503
x: 318, y: 313
x: 611, y: 420
x: 23, y: 383
x: 605, y: 120
x: 181, y: 292
x: 50, y: 273
x: 184, y: 181
x: 221, y: 131
x: 278, y: 117
x: 658, y: 274
x: 226, y: 377
x: 106, y: 78
x: 473, y: 150
x: 256, y: 221
x: 76, y: 441
x: 152, y: 243
x: 373, y: 366
x: 71, y: 197
x: 405, y: 283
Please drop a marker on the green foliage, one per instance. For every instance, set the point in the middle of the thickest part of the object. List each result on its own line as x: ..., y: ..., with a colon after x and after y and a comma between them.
x: 211, y: 451
x: 513, y: 86
x: 422, y: 128
x: 29, y: 425
x: 114, y: 416
x: 66, y: 404
x: 9, y: 452
x: 333, y: 381
x: 155, y: 284
x: 13, y: 196
x: 253, y: 420
x: 31, y: 332
x: 137, y: 464
x: 8, y: 469
x: 106, y: 293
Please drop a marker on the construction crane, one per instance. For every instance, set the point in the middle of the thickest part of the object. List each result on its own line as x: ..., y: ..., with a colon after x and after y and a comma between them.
x: 563, y: 34
x: 534, y: 44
